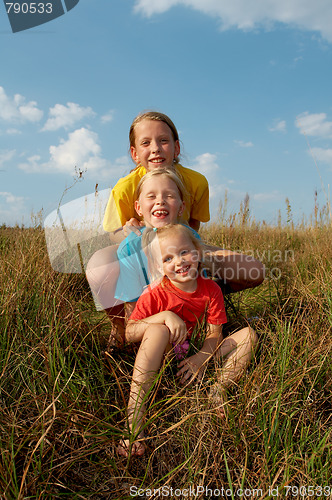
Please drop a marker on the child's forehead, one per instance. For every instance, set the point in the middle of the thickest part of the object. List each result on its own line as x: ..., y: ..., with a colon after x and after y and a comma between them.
x: 159, y: 182
x: 148, y: 125
x: 173, y: 238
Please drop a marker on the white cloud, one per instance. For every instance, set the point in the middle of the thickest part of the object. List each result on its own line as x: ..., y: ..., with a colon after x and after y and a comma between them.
x: 30, y: 113
x: 243, y: 144
x: 253, y: 14
x: 81, y: 150
x: 267, y: 197
x: 13, y: 131
x: 278, y: 126
x: 322, y: 155
x: 107, y: 117
x: 11, y: 208
x: 66, y: 116
x: 33, y: 165
x: 10, y: 198
x: 206, y: 163
x: 17, y: 110
x: 314, y: 124
x: 150, y: 7
x: 6, y: 155
x: 111, y: 171
x: 217, y: 191
x: 238, y: 195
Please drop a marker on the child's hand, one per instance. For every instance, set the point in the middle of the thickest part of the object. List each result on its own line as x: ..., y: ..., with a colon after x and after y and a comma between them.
x: 190, y: 368
x: 177, y: 327
x: 132, y: 225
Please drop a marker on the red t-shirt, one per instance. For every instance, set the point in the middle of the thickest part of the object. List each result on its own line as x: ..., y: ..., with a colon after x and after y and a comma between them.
x: 206, y: 302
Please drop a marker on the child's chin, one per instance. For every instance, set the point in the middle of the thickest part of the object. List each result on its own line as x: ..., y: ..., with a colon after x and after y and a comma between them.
x: 181, y: 278
x: 161, y: 222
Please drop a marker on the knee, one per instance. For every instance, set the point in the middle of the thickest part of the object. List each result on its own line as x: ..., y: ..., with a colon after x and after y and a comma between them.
x: 157, y: 332
x: 90, y: 271
x: 255, y: 273
x: 101, y: 265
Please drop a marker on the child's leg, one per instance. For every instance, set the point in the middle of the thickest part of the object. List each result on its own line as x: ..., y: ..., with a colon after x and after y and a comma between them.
x: 102, y: 273
x: 147, y: 363
x: 239, y: 271
x: 236, y: 351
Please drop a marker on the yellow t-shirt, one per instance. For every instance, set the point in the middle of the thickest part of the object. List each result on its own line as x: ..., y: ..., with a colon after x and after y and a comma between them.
x: 120, y: 206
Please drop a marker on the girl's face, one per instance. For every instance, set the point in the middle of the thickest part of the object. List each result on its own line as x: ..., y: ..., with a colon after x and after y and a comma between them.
x: 159, y: 202
x: 180, y: 259
x: 154, y: 145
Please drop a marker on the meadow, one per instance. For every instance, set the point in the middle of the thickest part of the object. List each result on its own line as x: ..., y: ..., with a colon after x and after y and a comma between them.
x: 62, y: 400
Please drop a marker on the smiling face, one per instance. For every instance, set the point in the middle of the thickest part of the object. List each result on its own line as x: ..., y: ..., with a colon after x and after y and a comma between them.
x: 180, y: 260
x: 159, y: 202
x: 154, y: 145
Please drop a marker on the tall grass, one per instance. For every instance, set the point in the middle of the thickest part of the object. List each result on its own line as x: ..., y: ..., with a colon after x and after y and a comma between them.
x: 63, y: 402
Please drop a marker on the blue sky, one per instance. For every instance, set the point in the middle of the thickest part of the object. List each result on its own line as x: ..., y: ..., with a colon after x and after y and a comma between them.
x: 247, y: 83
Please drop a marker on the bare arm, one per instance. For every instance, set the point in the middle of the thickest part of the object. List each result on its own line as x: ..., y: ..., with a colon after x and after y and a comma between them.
x: 240, y: 271
x: 116, y: 236
x: 195, y: 365
x: 177, y: 327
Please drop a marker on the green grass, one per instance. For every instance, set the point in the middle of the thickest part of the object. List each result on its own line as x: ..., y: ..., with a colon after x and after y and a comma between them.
x: 63, y: 403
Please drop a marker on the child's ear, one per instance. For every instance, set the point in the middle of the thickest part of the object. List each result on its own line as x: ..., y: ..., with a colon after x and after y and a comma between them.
x: 138, y: 208
x: 180, y: 212
x: 177, y: 149
x: 134, y: 154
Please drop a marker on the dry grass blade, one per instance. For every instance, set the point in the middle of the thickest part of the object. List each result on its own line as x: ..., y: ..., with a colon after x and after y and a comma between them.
x: 62, y: 407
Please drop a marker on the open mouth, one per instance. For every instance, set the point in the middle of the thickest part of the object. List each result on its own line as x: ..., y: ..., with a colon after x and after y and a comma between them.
x: 157, y: 161
x: 160, y: 214
x: 183, y: 270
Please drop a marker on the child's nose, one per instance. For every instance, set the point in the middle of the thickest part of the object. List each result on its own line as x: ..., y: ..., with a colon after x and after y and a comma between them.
x: 160, y: 199
x: 155, y: 146
x: 178, y: 259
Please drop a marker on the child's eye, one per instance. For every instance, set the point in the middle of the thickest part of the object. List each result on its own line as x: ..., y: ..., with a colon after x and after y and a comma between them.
x: 184, y: 252
x: 167, y: 259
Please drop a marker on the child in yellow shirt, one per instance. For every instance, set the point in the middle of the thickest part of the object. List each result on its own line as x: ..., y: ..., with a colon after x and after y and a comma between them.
x: 154, y: 143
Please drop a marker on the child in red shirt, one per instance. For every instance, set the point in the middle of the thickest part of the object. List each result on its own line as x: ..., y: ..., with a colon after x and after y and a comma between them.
x: 165, y: 316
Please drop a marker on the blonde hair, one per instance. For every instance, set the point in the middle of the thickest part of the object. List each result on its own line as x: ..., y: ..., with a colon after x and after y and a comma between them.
x: 170, y: 174
x: 154, y: 116
x: 149, y: 236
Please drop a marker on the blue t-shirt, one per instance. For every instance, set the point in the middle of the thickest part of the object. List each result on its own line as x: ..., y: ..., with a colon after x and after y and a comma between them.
x: 133, y: 277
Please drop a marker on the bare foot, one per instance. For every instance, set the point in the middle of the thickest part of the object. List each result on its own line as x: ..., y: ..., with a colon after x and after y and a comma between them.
x: 116, y: 339
x: 137, y: 448
x: 217, y: 397
x: 117, y: 336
